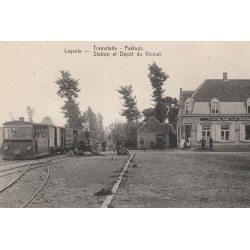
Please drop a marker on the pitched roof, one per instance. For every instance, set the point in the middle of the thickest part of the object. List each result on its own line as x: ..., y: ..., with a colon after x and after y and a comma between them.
x: 153, y: 125
x: 186, y: 94
x: 235, y: 90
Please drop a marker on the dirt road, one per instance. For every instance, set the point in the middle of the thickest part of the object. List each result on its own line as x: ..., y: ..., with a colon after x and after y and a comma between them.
x: 177, y: 178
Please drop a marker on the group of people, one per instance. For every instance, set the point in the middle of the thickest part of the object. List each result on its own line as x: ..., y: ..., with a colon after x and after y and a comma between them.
x: 90, y: 147
x: 86, y: 148
x: 202, y: 141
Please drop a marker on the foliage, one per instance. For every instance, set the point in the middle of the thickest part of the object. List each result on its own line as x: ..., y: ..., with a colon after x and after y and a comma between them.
x: 73, y: 114
x: 92, y: 120
x: 157, y: 78
x: 68, y: 87
x: 47, y: 120
x: 164, y: 107
x: 172, y: 107
x: 30, y: 113
x: 101, y: 133
x: 130, y: 110
x: 125, y: 133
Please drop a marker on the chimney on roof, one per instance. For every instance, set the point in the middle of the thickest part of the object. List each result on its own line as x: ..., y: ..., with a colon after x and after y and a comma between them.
x: 224, y: 75
x: 21, y: 119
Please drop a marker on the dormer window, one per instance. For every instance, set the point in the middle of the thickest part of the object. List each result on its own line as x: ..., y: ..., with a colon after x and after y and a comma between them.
x: 188, y: 108
x: 248, y: 105
x: 215, y: 106
x: 189, y: 105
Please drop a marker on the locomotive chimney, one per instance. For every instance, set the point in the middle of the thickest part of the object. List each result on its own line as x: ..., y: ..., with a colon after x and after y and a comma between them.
x: 21, y: 119
x: 224, y: 75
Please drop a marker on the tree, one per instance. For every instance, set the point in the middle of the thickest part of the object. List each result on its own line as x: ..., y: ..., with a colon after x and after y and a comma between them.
x: 30, y: 113
x: 125, y: 133
x: 147, y: 113
x: 73, y: 114
x: 68, y: 86
x: 101, y: 133
x: 92, y: 120
x: 157, y: 78
x: 171, y: 107
x: 130, y: 110
x: 47, y: 120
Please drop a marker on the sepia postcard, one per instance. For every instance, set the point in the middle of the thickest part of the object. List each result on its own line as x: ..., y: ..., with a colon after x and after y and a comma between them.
x: 124, y: 124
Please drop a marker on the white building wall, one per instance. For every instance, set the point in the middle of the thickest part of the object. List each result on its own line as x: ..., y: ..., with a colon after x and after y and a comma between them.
x: 201, y: 108
x: 233, y: 107
x: 225, y: 108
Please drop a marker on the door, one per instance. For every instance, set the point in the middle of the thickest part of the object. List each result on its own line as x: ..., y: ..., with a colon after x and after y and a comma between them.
x: 160, y: 140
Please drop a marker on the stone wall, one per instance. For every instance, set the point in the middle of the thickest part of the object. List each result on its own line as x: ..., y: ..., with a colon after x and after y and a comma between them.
x: 148, y: 138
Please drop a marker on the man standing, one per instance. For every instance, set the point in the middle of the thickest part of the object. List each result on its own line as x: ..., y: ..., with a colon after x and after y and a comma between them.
x: 104, y: 146
x: 211, y: 141
x: 142, y: 144
x: 203, y: 143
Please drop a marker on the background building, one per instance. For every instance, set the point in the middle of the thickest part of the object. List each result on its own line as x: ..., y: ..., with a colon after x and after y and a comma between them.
x: 218, y: 108
x: 154, y: 134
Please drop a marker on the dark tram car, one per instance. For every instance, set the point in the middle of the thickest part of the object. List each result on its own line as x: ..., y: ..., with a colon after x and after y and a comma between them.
x: 57, y: 139
x: 71, y: 138
x: 25, y: 140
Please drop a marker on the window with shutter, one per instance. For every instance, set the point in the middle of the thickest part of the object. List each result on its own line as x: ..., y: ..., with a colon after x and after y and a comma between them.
x: 247, y: 132
x: 206, y: 132
x: 224, y: 131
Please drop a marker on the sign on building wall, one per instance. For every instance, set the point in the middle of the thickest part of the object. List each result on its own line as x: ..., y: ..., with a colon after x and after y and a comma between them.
x: 225, y: 119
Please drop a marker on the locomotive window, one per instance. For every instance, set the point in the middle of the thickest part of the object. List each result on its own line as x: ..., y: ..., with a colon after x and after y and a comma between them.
x: 17, y: 133
x: 41, y: 132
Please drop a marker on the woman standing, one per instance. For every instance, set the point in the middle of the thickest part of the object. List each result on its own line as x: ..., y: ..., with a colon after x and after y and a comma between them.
x: 182, y: 145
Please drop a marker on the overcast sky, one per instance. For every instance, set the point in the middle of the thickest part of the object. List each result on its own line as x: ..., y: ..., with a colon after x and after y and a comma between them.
x: 28, y: 71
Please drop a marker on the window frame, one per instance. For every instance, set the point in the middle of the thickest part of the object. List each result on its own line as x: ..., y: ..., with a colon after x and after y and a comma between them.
x: 247, y: 140
x: 224, y: 131
x: 206, y: 132
x: 248, y: 106
x: 215, y: 106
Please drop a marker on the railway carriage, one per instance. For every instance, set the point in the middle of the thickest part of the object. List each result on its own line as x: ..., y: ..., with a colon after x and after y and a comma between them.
x: 27, y: 140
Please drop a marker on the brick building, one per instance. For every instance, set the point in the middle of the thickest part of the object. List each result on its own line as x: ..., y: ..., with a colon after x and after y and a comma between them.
x: 218, y: 108
x: 153, y: 133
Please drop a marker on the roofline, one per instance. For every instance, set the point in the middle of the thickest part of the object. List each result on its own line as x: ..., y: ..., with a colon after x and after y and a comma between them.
x: 198, y: 89
x: 148, y: 121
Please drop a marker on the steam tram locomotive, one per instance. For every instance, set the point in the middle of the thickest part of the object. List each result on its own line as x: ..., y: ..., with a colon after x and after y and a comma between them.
x: 26, y: 140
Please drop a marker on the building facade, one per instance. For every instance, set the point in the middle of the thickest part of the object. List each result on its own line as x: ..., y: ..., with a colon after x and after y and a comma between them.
x: 217, y: 109
x: 154, y: 134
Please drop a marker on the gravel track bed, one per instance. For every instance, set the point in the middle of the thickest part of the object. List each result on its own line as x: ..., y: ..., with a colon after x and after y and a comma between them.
x: 74, y: 183
x: 16, y: 195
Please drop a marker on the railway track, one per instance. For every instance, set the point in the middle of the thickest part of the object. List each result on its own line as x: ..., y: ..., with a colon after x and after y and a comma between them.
x: 14, y: 166
x: 28, y: 167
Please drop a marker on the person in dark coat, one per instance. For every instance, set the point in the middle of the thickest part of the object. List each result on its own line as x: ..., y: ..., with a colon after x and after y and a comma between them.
x: 104, y: 144
x: 203, y: 143
x: 142, y: 146
x: 82, y: 146
x: 211, y: 146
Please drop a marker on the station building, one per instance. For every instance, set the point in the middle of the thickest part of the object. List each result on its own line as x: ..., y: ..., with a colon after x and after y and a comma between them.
x: 218, y: 108
x: 153, y: 133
